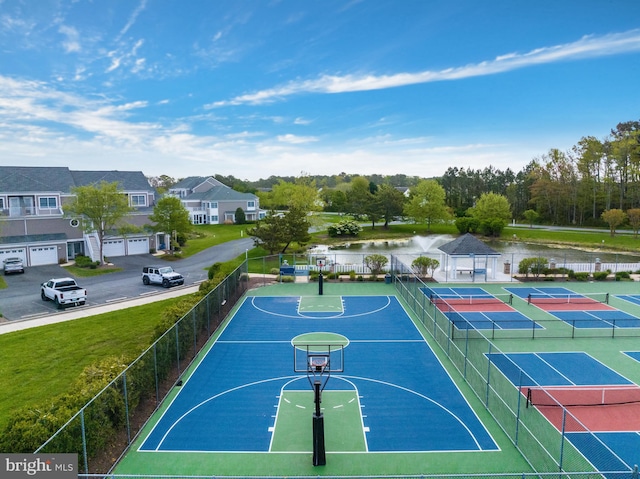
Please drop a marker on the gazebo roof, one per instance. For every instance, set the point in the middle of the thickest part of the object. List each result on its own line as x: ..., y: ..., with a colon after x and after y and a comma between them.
x: 467, y: 245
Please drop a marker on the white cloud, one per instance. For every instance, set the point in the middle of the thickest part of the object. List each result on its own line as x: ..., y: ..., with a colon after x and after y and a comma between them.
x: 71, y: 44
x: 586, y: 47
x: 295, y: 139
x: 132, y: 19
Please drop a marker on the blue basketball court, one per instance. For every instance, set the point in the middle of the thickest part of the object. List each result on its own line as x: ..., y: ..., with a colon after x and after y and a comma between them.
x: 393, y: 395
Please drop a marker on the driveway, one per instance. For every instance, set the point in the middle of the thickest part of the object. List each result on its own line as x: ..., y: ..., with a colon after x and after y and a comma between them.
x: 21, y: 299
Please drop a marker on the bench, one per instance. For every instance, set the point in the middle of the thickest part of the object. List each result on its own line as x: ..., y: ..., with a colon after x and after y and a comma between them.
x: 287, y: 271
x: 464, y: 270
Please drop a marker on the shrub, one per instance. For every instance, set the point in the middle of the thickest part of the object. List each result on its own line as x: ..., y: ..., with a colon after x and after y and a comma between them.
x: 83, y: 261
x: 287, y: 279
x: 275, y: 271
x: 467, y: 224
x: 344, y: 228
x: 600, y: 275
x: 352, y: 275
x: 581, y: 276
x: 425, y: 266
x: 536, y: 266
x: 622, y: 275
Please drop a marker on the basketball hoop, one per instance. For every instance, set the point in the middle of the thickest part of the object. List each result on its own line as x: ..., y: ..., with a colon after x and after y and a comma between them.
x: 318, y: 363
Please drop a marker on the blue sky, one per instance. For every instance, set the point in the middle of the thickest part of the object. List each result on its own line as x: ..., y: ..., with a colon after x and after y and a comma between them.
x: 290, y: 87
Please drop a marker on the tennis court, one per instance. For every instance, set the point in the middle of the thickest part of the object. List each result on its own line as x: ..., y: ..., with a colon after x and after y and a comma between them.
x: 597, y: 408
x: 580, y: 310
x: 393, y: 396
x: 475, y: 308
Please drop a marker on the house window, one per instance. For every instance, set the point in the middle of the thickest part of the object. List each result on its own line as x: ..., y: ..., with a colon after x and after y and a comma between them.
x: 48, y: 203
x: 213, y: 204
x: 1, y: 203
x: 213, y: 219
x: 138, y: 200
x: 251, y: 204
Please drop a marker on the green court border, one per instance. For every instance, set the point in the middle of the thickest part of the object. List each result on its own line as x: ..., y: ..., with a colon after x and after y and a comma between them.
x: 506, y: 460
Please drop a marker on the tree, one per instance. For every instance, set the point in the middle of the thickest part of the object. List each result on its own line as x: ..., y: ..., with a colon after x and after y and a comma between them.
x: 531, y: 216
x: 303, y: 194
x: 359, y: 197
x: 493, y: 212
x: 634, y: 220
x: 391, y: 203
x: 490, y: 206
x: 102, y: 208
x: 240, y: 217
x: 614, y: 218
x: 277, y: 231
x: 268, y: 232
x: 427, y: 203
x: 171, y: 217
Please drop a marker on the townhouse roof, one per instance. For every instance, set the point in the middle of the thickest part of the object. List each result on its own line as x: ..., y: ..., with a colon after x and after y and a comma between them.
x: 220, y: 193
x: 34, y: 178
x: 192, y: 182
x: 23, y: 179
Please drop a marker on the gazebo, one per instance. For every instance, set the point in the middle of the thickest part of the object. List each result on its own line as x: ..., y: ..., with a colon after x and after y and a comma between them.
x: 468, y: 255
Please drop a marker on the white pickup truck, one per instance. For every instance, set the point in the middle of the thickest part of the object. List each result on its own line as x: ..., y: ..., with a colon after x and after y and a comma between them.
x: 63, y: 292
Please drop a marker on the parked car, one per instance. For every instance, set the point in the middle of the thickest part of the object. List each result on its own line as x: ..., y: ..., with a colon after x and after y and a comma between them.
x: 13, y: 265
x: 63, y: 292
x: 164, y: 275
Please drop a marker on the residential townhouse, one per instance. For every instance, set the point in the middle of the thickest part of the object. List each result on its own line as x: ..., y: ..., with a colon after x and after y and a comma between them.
x: 32, y: 221
x: 211, y: 202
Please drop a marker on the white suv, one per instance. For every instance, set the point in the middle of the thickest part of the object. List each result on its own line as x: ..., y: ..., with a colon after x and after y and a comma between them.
x: 164, y: 275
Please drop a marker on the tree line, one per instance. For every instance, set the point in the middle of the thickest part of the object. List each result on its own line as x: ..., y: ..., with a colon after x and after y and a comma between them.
x: 560, y: 187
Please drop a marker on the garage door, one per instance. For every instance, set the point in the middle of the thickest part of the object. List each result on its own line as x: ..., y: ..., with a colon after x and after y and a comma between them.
x: 138, y: 246
x: 14, y: 253
x: 113, y: 248
x: 43, y: 255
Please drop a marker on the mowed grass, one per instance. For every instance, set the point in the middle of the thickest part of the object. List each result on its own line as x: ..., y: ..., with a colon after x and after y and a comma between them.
x: 584, y: 238
x: 211, y: 235
x: 40, y: 363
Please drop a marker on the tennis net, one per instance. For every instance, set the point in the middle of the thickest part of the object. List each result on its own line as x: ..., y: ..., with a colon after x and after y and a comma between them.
x: 573, y: 396
x: 541, y: 298
x: 458, y: 300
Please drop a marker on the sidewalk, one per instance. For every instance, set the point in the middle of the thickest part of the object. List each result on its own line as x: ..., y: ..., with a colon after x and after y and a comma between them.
x: 86, y: 311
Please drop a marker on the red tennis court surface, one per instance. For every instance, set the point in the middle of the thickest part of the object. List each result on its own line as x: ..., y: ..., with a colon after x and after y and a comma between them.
x: 464, y: 306
x: 598, y: 409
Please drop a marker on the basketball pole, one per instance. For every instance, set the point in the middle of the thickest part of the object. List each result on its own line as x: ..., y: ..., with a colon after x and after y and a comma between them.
x: 320, y: 280
x: 319, y: 456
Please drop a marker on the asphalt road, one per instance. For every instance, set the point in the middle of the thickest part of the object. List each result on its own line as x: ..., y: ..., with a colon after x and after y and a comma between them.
x: 21, y: 299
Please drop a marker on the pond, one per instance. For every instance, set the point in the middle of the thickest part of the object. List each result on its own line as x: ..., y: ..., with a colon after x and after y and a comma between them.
x: 513, y: 251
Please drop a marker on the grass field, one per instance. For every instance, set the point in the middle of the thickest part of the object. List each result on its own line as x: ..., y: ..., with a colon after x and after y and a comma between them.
x: 40, y: 363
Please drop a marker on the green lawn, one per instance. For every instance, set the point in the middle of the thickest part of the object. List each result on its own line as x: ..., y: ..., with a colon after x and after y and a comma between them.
x: 588, y: 239
x: 41, y: 363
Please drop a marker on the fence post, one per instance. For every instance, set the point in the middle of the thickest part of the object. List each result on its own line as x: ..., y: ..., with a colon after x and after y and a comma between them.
x: 518, y: 413
x: 562, y: 438
x: 486, y: 401
x: 84, y: 442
